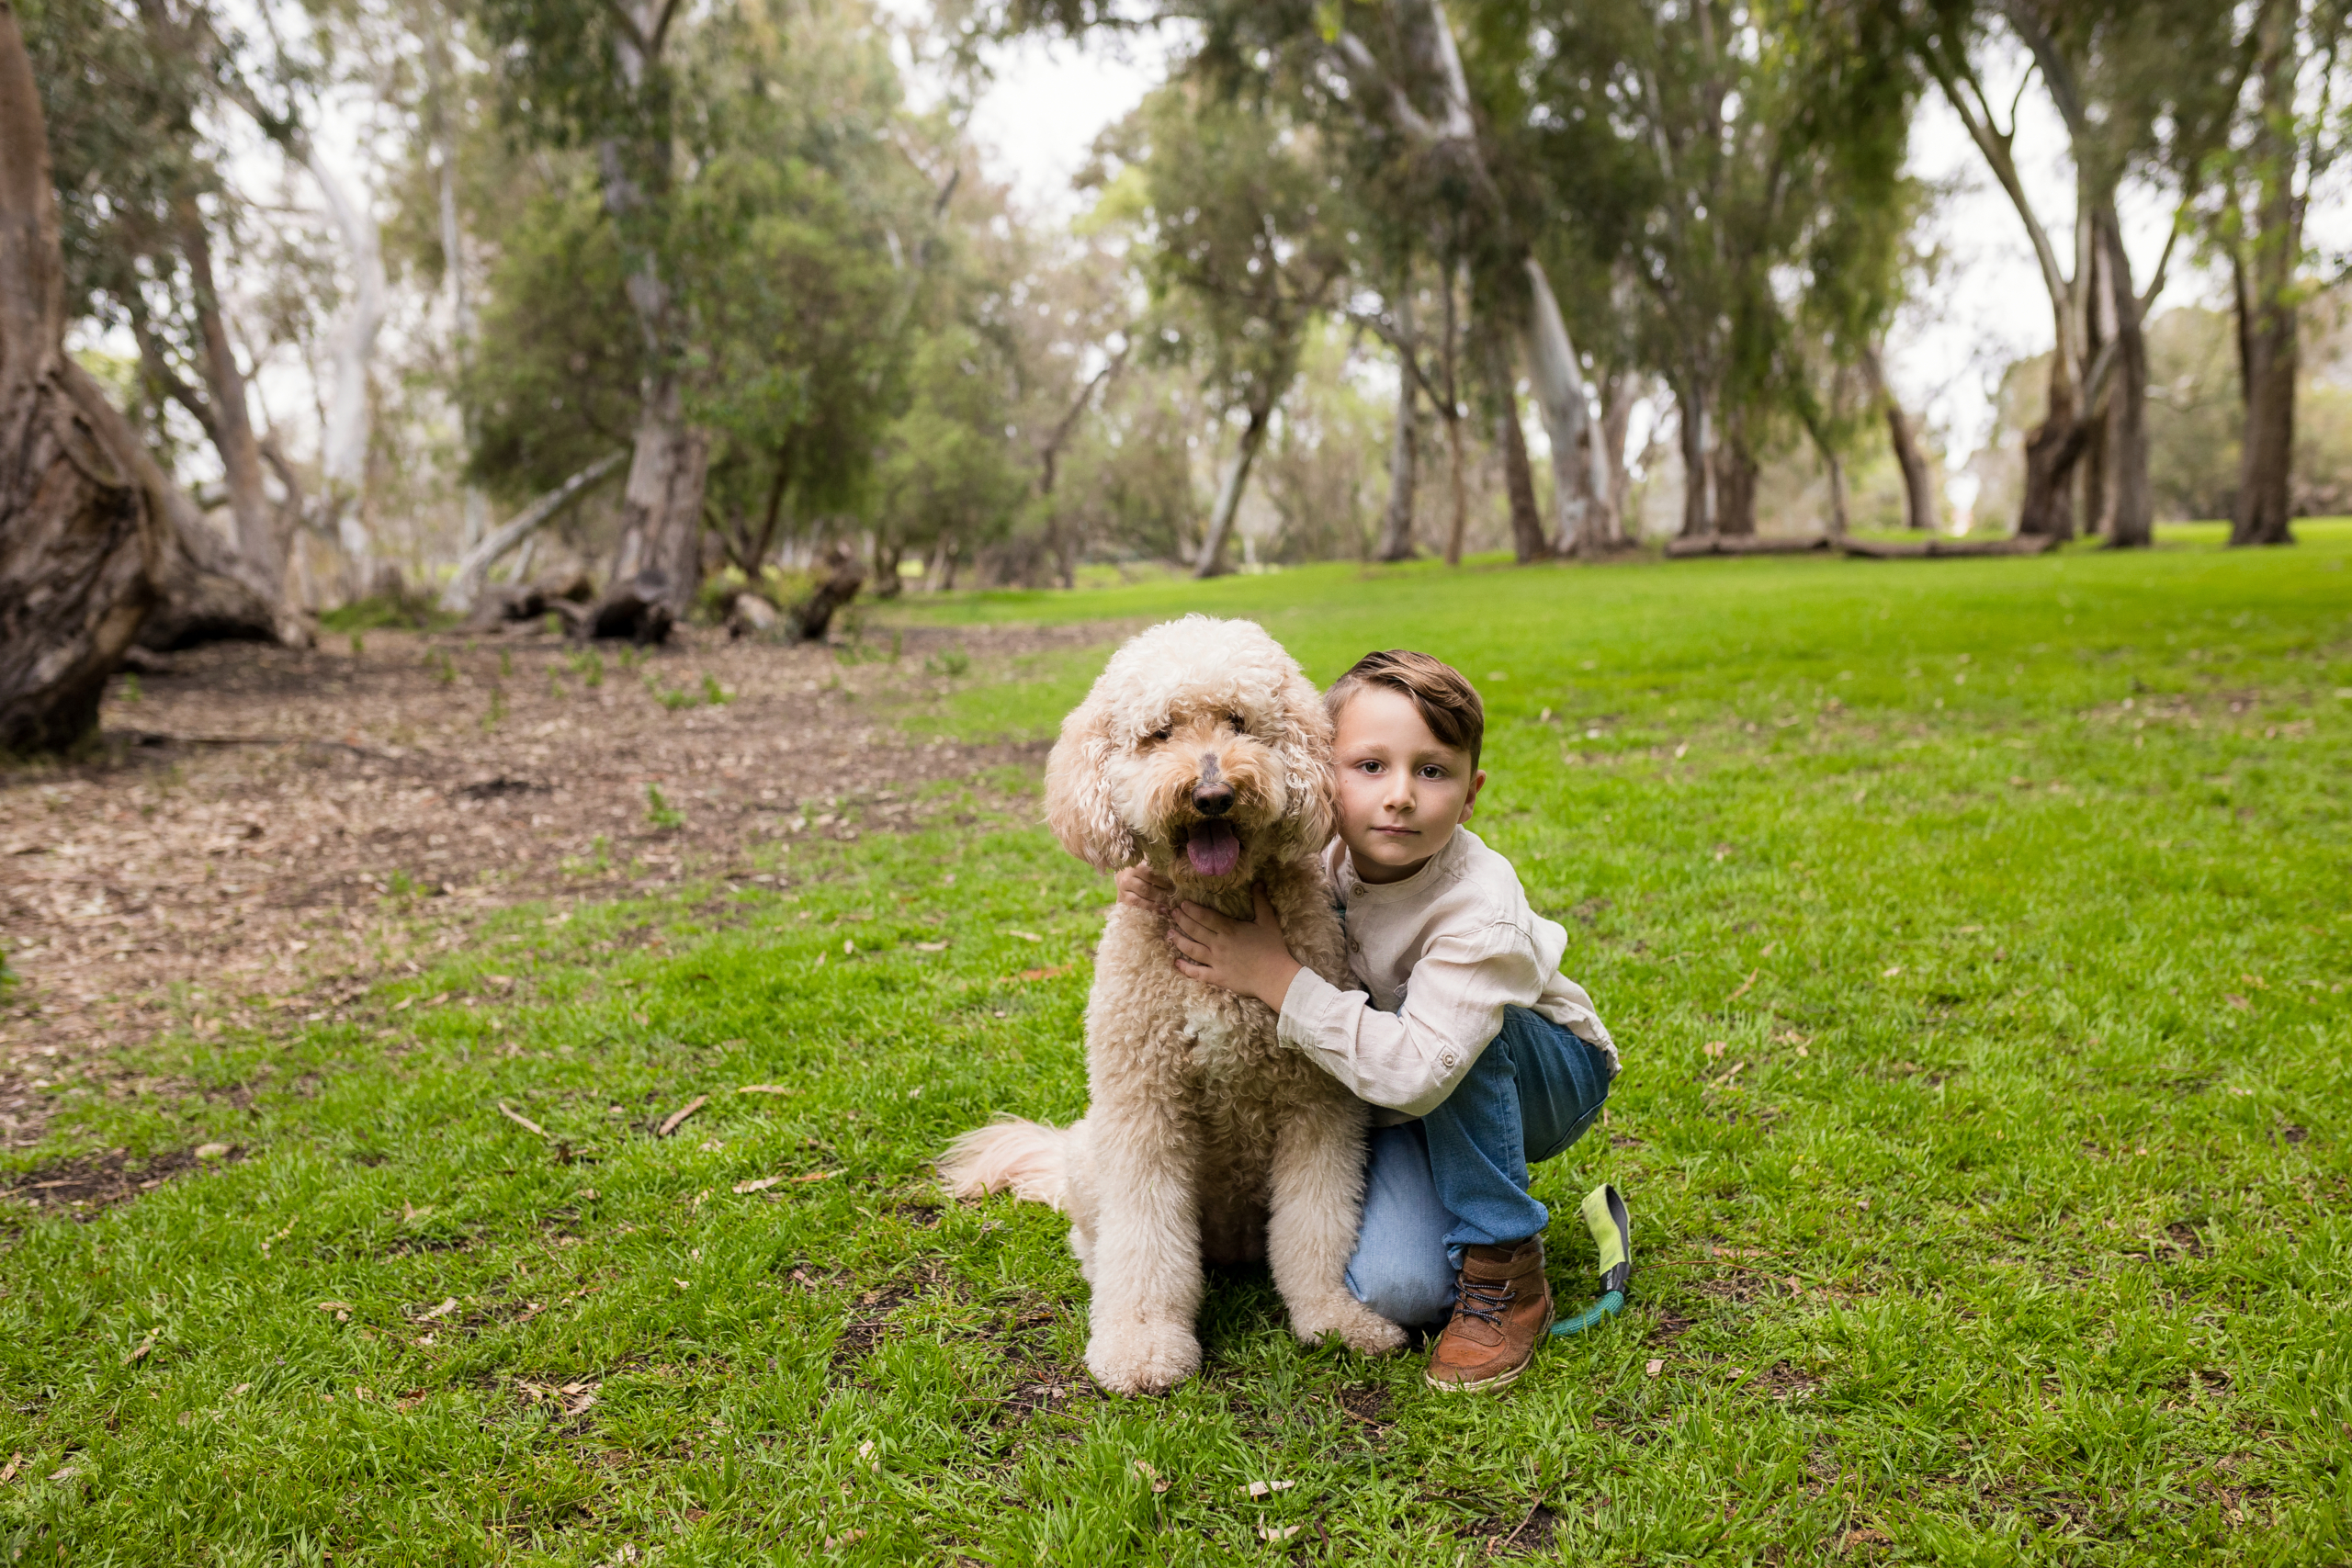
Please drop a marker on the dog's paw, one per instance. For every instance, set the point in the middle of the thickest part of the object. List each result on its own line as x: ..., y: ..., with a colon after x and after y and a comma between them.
x: 1362, y: 1330
x: 1148, y: 1358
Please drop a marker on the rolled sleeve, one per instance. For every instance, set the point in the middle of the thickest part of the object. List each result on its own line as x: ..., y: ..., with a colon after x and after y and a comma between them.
x: 1409, y: 1060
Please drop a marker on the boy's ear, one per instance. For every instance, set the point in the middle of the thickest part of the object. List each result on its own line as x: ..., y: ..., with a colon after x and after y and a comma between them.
x: 1470, y: 801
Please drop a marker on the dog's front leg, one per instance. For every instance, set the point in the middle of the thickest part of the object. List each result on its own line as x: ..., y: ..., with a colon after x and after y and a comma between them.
x: 1147, y: 1251
x: 1318, y: 1204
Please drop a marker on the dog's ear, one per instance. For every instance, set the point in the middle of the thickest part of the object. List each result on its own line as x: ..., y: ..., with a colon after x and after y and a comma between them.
x: 1078, y: 797
x: 1305, y: 751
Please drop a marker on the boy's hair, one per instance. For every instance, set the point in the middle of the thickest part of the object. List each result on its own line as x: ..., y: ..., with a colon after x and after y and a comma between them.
x: 1448, y: 702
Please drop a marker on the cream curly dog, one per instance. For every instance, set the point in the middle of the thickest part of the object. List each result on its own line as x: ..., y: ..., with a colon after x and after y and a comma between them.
x: 1203, y: 751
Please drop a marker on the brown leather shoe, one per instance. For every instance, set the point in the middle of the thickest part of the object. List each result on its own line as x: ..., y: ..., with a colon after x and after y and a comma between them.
x: 1502, y: 1305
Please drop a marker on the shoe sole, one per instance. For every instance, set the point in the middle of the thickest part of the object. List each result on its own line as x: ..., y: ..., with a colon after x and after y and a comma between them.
x: 1500, y: 1380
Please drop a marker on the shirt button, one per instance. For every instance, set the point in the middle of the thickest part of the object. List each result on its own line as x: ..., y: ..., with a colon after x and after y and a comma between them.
x: 1447, y: 1057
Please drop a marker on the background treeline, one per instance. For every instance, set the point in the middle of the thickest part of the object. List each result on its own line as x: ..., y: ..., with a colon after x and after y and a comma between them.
x: 614, y: 295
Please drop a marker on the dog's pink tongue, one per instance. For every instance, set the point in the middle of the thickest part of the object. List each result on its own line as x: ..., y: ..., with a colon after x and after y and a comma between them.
x: 1213, y: 849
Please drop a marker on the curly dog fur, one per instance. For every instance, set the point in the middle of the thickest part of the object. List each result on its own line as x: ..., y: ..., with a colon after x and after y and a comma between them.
x: 1204, y: 1137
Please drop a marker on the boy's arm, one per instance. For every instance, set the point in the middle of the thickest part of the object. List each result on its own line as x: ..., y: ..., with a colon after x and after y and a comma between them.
x: 1410, y: 1060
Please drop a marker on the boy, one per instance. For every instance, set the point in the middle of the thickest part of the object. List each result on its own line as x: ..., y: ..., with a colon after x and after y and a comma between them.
x: 1480, y: 1056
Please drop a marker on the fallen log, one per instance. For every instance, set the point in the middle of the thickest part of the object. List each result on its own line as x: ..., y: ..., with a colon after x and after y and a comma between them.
x: 1940, y: 549
x: 465, y: 582
x: 1741, y: 544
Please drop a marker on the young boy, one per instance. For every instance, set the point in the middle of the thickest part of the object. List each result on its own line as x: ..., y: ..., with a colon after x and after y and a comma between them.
x: 1480, y: 1056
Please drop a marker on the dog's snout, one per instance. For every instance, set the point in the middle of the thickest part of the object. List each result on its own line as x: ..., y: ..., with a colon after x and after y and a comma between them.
x: 1212, y: 796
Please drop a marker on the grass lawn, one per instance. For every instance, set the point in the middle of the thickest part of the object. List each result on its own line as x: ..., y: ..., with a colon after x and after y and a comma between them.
x: 1975, y: 933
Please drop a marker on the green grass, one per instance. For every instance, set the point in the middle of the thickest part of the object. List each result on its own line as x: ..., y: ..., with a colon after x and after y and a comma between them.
x: 1974, y: 932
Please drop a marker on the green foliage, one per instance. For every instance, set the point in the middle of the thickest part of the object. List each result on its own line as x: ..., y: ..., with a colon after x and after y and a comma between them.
x: 588, y: 664
x: 658, y: 812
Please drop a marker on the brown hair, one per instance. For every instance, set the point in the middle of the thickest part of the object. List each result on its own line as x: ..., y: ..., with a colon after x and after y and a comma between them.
x: 1448, y: 702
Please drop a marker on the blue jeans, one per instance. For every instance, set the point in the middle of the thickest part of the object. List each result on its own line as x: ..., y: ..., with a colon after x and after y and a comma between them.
x: 1457, y: 1178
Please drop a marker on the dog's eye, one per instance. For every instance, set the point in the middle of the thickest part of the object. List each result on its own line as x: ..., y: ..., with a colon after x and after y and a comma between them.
x: 1235, y: 719
x: 1160, y: 735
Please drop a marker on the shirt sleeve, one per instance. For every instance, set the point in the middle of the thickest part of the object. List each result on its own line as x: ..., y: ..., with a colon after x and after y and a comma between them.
x: 1409, y: 1060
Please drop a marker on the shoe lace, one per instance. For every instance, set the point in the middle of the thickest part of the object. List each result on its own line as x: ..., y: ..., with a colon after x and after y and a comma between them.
x: 1484, y: 1300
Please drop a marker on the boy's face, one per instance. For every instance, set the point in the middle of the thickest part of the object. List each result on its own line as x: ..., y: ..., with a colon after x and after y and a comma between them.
x: 1402, y: 790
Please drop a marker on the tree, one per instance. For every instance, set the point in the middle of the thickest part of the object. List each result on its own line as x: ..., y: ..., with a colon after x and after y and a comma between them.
x: 2141, y: 85
x: 2292, y: 130
x: 82, y: 508
x: 1242, y: 248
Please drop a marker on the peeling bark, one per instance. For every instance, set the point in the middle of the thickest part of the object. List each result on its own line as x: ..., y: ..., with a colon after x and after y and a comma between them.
x: 81, y: 523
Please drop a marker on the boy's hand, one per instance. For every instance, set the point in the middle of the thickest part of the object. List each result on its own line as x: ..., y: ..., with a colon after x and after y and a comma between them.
x: 1146, y: 889
x: 1247, y: 957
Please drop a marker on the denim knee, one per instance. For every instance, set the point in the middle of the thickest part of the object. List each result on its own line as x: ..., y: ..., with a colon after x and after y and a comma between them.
x: 1413, y: 1289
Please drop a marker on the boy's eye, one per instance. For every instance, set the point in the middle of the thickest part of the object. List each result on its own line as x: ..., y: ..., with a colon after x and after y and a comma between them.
x: 1368, y: 767
x: 1431, y: 771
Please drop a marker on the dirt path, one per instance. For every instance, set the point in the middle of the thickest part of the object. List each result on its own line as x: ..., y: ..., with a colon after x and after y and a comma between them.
x: 270, y: 830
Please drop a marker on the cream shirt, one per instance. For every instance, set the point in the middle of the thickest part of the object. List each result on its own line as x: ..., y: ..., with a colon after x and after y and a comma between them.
x: 1442, y: 953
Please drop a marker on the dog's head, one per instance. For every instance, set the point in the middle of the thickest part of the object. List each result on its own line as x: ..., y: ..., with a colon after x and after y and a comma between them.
x: 1202, y: 747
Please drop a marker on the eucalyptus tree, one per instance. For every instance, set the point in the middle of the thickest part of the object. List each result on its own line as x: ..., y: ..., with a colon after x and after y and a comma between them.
x: 82, y: 510
x: 1733, y: 158
x: 1241, y: 238
x: 2143, y: 89
x: 2293, y: 124
x: 141, y: 211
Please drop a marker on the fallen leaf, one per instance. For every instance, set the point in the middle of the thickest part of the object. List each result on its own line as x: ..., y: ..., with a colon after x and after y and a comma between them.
x: 1264, y: 1488
x: 334, y: 1306
x: 765, y: 1089
x: 1714, y: 1050
x: 16, y: 1461
x: 1054, y: 973
x: 1744, y: 985
x: 448, y: 1305
x: 141, y: 1353
x: 680, y: 1283
x: 1654, y: 1367
x: 1141, y: 1469
x: 1890, y: 972
x: 758, y: 1184
x: 929, y: 946
x: 404, y: 1004
x: 817, y: 1176
x: 679, y: 1115
x: 63, y: 1472
x: 1862, y: 1203
x: 2236, y: 1002
x: 712, y: 1146
x: 833, y: 1542
x: 1278, y: 1532
x: 1025, y: 936
x: 848, y: 946
x: 521, y: 1120
x: 211, y: 1151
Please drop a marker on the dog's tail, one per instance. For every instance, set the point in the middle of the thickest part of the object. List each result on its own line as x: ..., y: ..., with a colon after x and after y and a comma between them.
x: 1030, y: 1157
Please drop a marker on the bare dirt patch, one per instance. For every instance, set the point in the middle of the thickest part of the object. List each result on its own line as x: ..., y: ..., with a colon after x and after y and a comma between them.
x: 83, y: 1186
x: 264, y: 832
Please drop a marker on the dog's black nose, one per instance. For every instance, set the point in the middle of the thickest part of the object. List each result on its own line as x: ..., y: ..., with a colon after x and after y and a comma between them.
x: 1213, y: 799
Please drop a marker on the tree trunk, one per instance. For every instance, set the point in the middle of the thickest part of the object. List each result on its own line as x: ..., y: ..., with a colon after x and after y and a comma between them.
x: 1918, y: 492
x: 2266, y: 473
x: 343, y: 450
x: 1736, y: 469
x: 660, y: 553
x: 1403, y: 451
x: 2269, y: 353
x: 1229, y: 497
x: 1559, y: 393
x: 1616, y: 424
x: 1527, y: 539
x: 1698, y: 508
x: 2135, y: 501
x: 261, y: 556
x: 838, y: 576
x: 81, y: 523
x: 2051, y: 448
x: 203, y: 592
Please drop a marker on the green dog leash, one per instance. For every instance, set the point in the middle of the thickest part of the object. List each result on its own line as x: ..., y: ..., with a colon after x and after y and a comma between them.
x: 1612, y: 1235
